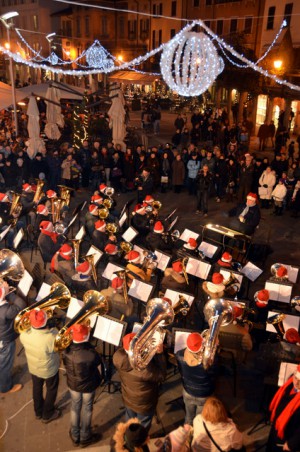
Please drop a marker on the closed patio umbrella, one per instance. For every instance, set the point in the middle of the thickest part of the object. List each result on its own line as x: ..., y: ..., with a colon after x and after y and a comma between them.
x: 35, y: 142
x: 53, y: 114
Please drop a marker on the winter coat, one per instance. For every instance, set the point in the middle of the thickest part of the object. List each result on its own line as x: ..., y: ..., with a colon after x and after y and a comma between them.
x: 8, y: 312
x: 81, y: 362
x: 140, y: 388
x: 193, y: 167
x: 178, y: 172
x: 268, y: 179
x: 279, y: 192
x: 173, y: 280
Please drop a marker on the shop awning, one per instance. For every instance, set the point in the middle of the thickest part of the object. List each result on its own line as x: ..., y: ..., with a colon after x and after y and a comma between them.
x: 133, y: 77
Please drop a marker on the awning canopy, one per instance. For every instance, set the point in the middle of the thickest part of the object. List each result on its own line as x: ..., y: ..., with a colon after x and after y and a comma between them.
x: 6, y: 96
x: 65, y: 91
x: 133, y: 77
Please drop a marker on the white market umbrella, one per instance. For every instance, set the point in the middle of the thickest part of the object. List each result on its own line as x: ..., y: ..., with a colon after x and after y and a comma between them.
x: 53, y: 114
x: 116, y: 115
x: 35, y: 142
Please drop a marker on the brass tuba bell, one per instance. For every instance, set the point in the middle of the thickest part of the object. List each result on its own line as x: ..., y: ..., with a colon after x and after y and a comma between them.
x: 111, y: 228
x: 39, y: 191
x: 277, y: 322
x: 295, y: 303
x: 94, y: 303
x: 76, y: 246
x: 11, y: 265
x: 103, y: 213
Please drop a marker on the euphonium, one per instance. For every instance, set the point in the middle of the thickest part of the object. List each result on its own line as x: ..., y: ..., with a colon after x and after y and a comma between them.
x: 56, y: 205
x: 109, y: 191
x: 94, y: 303
x: 111, y: 228
x: 218, y: 312
x: 103, y: 213
x: 59, y: 296
x: 90, y: 259
x: 142, y: 347
x: 65, y: 194
x: 295, y: 302
x: 107, y: 203
x: 76, y: 246
x: 277, y: 322
x: 274, y: 269
x: 181, y: 306
x: 39, y: 191
x: 16, y: 206
x: 126, y: 247
x: 232, y: 286
x: 149, y: 261
x: 11, y: 265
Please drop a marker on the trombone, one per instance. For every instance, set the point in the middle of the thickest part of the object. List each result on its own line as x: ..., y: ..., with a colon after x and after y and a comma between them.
x: 123, y: 275
x: 90, y: 259
x: 184, y: 263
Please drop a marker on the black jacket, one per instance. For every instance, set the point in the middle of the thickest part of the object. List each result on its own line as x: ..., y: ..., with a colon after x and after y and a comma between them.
x: 8, y: 312
x: 81, y: 362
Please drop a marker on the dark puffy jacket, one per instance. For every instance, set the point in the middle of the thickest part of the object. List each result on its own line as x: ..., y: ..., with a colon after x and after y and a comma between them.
x: 197, y: 381
x: 81, y: 362
x: 8, y: 312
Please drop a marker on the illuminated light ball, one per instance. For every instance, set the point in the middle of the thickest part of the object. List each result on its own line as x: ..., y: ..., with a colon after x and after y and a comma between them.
x: 190, y: 63
x: 53, y: 58
x: 97, y: 57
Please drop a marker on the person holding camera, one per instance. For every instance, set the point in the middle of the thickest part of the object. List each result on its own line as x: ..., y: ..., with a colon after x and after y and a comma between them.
x: 144, y: 184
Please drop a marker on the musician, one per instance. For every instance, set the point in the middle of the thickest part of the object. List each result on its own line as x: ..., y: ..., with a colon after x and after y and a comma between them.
x: 174, y: 278
x: 10, y: 306
x: 10, y: 219
x: 49, y: 242
x: 43, y: 364
x: 111, y: 251
x: 189, y: 249
x: 144, y: 184
x: 82, y: 364
x: 281, y: 273
x: 262, y: 298
x: 63, y: 263
x: 136, y: 268
x: 99, y: 237
x: 210, y: 289
x: 285, y: 416
x: 27, y: 202
x: 91, y: 217
x: 198, y: 383
x: 247, y: 215
x: 140, y: 388
x: 118, y: 306
x: 225, y: 260
x: 140, y: 220
x: 97, y: 199
x: 82, y: 280
x: 156, y: 240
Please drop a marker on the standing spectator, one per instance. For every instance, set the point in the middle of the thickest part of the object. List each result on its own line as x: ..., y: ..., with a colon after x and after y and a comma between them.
x: 9, y: 173
x: 176, y: 138
x: 144, y: 184
x: 185, y: 138
x: 43, y: 364
x: 82, y: 364
x: 107, y: 164
x: 209, y: 160
x: 271, y: 132
x: 38, y: 166
x: 220, y: 175
x: 54, y: 164
x: 279, y: 194
x: 84, y: 156
x: 266, y: 182
x: 263, y: 133
x: 204, y: 181
x: 179, y: 123
x: 128, y: 169
x: 96, y: 170
x: 193, y: 166
x: 231, y: 178
x: 116, y: 171
x: 295, y: 203
x: 156, y: 116
x: 245, y: 178
x: 165, y: 173
x: 154, y: 165
x: 178, y: 173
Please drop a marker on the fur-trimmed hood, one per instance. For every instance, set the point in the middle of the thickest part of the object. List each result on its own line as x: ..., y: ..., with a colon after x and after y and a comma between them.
x: 175, y: 275
x: 118, y: 438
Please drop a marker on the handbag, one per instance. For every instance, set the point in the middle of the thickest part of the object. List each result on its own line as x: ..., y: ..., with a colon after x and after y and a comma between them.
x: 164, y: 179
x: 242, y: 449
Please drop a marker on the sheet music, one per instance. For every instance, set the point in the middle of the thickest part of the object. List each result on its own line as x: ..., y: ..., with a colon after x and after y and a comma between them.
x: 3, y: 233
x: 129, y: 234
x: 80, y: 234
x: 140, y: 290
x: 187, y: 234
x: 251, y: 271
x: 180, y: 340
x: 110, y: 270
x: 75, y: 306
x: 136, y: 327
x: 292, y: 273
x: 279, y: 292
x: 227, y: 275
x: 290, y: 321
x: 285, y: 371
x: 198, y: 268
x: 83, y: 206
x: 97, y: 253
x: 208, y: 249
x: 25, y: 283
x: 123, y: 219
x: 18, y: 238
x: 174, y: 296
x: 109, y: 330
x: 43, y: 292
x: 162, y: 260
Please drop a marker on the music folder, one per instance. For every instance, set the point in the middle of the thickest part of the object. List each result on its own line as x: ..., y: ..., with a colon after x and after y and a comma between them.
x: 129, y: 234
x: 208, y: 249
x: 96, y: 252
x: 285, y: 372
x: 110, y: 269
x: 25, y: 283
x: 180, y: 338
x: 140, y: 290
x: 162, y: 260
x: 173, y: 295
x: 279, y: 291
x: 111, y: 330
x: 198, y: 268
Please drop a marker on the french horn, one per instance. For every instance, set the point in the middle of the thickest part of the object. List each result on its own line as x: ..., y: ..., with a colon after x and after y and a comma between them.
x: 181, y: 307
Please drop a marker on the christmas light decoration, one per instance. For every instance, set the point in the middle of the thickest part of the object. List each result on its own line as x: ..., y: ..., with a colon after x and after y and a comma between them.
x: 190, y: 63
x: 98, y: 57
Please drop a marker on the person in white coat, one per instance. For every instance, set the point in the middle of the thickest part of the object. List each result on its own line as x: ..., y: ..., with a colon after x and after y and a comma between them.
x: 267, y: 182
x: 278, y: 194
x: 213, y: 427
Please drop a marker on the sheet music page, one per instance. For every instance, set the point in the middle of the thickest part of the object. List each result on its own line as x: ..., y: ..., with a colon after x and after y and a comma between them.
x: 290, y: 321
x: 110, y: 269
x: 292, y: 273
x: 187, y: 234
x: 174, y: 296
x: 208, y: 249
x: 140, y: 290
x: 192, y: 266
x: 285, y: 371
x: 18, y: 238
x: 203, y: 270
x: 227, y: 275
x: 109, y: 330
x: 25, y: 283
x: 180, y: 340
x: 279, y: 292
x: 129, y: 234
x: 72, y: 221
x: 102, y: 328
x: 123, y: 219
x: 43, y: 292
x: 162, y: 260
x: 80, y: 234
x: 251, y: 271
x: 97, y: 253
x: 74, y: 306
x: 3, y: 233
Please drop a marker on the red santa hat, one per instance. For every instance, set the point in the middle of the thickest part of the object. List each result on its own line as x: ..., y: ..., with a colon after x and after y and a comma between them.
x: 293, y: 337
x: 158, y: 227
x: 139, y: 208
x: 226, y: 258
x: 177, y: 267
x: 65, y: 250
x: 191, y: 244
x: 80, y: 333
x: 194, y: 342
x: 2, y: 293
x: 42, y: 209
x: 84, y: 268
x: 297, y: 372
x: 46, y: 226
x: 252, y: 197
x: 238, y: 310
x: 96, y: 199
x: 281, y: 272
x: 38, y: 318
x: 51, y: 194
x: 102, y: 187
x: 3, y: 197
x: 261, y: 298
x: 111, y: 249
x: 133, y: 256
x: 149, y: 199
x: 93, y: 209
x: 27, y: 187
x: 100, y: 225
x: 117, y: 283
x: 216, y: 284
x: 127, y: 339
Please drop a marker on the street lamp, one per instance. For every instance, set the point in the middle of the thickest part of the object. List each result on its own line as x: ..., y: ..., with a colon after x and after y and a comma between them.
x: 5, y: 20
x: 277, y: 64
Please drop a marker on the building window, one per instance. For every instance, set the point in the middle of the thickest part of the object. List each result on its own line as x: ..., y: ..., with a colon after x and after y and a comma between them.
x: 207, y: 23
x: 172, y: 33
x: 159, y: 38
x: 132, y: 29
x: 248, y: 25
x: 288, y: 12
x: 173, y: 9
x: 261, y: 108
x: 78, y: 29
x: 67, y: 28
x: 233, y: 25
x: 104, y: 26
x: 121, y: 27
x: 196, y: 3
x: 219, y: 27
x: 154, y: 10
x: 87, y: 26
x: 270, y: 20
x: 208, y: 2
x: 35, y: 22
x: 160, y: 9
x: 144, y: 28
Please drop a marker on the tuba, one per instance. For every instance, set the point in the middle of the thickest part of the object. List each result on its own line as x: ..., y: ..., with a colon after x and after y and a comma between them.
x: 103, y: 213
x: 277, y: 322
x: 232, y: 286
x: 56, y: 206
x: 274, y: 269
x: 11, y: 265
x: 59, y: 296
x: 39, y: 191
x: 111, y: 228
x: 181, y: 306
x: 76, y: 246
x: 218, y: 312
x: 109, y: 191
x: 90, y: 259
x: 142, y: 347
x: 94, y: 303
x: 16, y: 206
x: 65, y: 194
x: 126, y: 247
x: 295, y: 303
